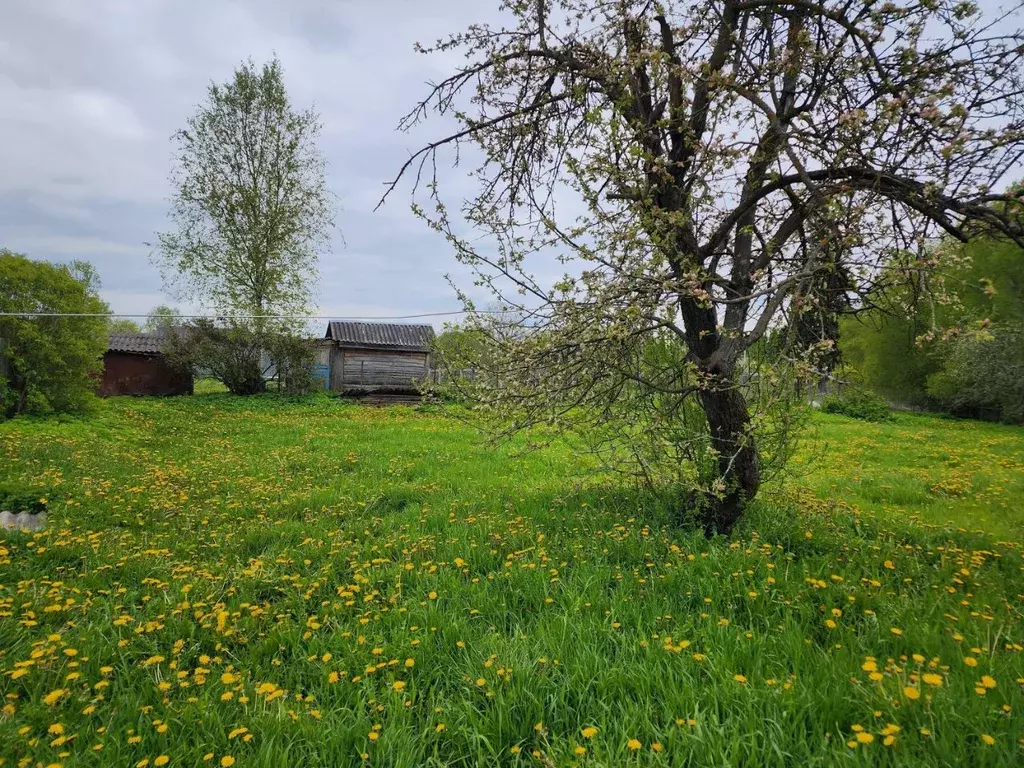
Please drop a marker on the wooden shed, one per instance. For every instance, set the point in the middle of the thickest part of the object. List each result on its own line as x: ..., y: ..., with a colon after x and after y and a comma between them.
x: 135, y: 365
x: 379, y: 357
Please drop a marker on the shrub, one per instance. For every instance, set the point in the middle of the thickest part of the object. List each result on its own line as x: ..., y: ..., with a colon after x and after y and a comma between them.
x: 858, y: 404
x: 15, y: 499
x: 229, y: 353
x: 242, y: 358
x: 292, y: 358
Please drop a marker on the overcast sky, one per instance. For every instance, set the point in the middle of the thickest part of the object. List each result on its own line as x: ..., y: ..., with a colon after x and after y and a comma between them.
x: 93, y: 89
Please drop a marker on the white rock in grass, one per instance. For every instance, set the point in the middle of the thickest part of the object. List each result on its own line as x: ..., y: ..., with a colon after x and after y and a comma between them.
x: 23, y: 521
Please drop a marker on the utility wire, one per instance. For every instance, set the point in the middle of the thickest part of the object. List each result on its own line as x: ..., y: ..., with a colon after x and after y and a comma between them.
x: 256, y: 317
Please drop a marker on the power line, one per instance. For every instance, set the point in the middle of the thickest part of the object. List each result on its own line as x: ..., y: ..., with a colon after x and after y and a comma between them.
x: 28, y: 315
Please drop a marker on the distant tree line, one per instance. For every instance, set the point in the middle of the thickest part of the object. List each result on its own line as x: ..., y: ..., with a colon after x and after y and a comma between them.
x: 951, y: 339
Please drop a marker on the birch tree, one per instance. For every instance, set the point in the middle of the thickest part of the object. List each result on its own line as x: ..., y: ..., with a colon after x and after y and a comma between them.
x: 251, y: 207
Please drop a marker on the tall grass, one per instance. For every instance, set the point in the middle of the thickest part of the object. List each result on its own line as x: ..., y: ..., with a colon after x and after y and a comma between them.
x: 303, y: 582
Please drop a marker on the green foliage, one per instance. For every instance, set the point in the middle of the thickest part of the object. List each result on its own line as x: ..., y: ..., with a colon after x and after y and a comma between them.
x: 973, y: 295
x: 243, y: 358
x: 231, y: 353
x: 858, y: 404
x: 292, y: 358
x: 882, y: 349
x: 20, y: 498
x: 261, y: 544
x: 251, y: 206
x: 123, y: 325
x: 987, y: 280
x: 49, y: 364
x: 162, y: 318
x: 459, y: 354
x: 982, y: 375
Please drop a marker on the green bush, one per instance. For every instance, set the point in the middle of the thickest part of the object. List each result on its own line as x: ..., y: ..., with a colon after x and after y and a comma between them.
x: 982, y: 376
x: 49, y: 364
x: 15, y: 499
x: 858, y: 404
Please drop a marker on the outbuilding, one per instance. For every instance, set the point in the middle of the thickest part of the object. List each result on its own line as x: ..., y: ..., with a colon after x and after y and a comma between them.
x: 379, y: 357
x: 134, y: 364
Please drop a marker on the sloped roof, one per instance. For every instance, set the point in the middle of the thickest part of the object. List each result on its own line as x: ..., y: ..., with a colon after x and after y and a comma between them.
x: 136, y: 343
x: 416, y: 338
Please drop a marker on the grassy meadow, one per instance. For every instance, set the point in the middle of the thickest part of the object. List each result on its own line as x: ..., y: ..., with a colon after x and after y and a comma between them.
x: 262, y: 582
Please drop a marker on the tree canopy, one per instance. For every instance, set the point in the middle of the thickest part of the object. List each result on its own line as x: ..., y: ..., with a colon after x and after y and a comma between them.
x: 700, y: 166
x: 123, y: 325
x: 49, y: 364
x: 161, y: 318
x: 950, y: 340
x: 251, y: 207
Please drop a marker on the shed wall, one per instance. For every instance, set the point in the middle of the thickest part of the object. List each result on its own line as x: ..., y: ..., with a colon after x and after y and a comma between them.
x: 377, y: 368
x: 128, y: 374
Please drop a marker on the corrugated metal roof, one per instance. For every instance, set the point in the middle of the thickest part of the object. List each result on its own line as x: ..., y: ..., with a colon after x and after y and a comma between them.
x: 136, y: 343
x: 382, y: 335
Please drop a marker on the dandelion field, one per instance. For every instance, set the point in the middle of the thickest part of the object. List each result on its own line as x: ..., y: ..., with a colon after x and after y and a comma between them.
x: 260, y: 582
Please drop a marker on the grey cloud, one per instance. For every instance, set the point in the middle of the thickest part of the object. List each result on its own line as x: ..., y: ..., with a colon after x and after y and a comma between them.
x: 93, y: 91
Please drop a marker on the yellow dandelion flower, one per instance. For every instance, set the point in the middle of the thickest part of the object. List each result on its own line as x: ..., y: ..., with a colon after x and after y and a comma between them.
x: 864, y: 737
x: 54, y: 696
x: 227, y: 760
x: 739, y: 678
x: 911, y: 693
x: 589, y: 732
x: 162, y: 760
x: 373, y: 736
x: 634, y: 744
x: 931, y: 678
x: 988, y: 682
x: 970, y: 661
x: 656, y: 746
x: 440, y: 728
x: 988, y: 739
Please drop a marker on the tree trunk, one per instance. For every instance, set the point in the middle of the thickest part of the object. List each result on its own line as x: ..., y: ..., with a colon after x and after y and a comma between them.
x: 738, y: 466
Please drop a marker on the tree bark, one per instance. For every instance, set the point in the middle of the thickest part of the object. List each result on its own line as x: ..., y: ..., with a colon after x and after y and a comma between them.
x: 738, y: 465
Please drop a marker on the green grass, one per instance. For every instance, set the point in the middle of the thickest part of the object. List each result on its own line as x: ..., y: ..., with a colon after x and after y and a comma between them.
x: 215, y: 564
